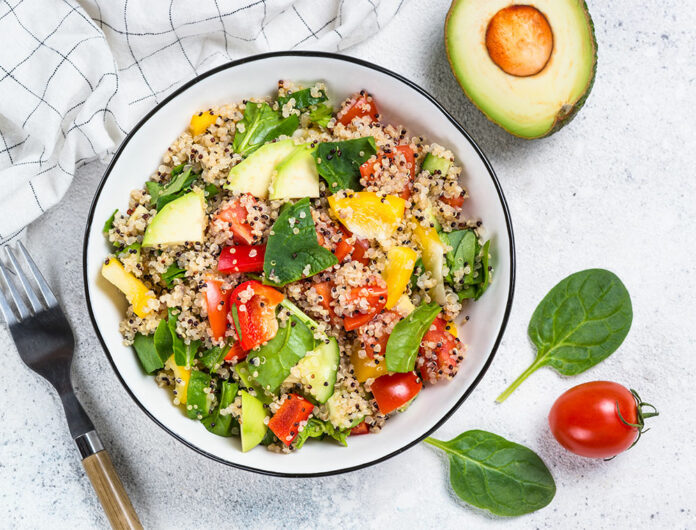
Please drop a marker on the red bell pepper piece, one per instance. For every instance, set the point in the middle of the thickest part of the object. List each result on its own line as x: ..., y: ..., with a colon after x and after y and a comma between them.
x: 361, y: 105
x: 256, y: 305
x: 236, y: 215
x: 242, y: 258
x: 360, y: 428
x: 285, y: 422
x: 376, y: 297
x: 218, y: 302
x: 236, y: 353
x: 367, y: 170
x: 395, y: 390
x: 454, y: 202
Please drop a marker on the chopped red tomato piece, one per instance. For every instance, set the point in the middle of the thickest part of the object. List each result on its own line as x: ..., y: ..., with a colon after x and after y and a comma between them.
x: 242, y: 258
x: 236, y: 353
x: 359, y: 105
x: 382, y: 342
x: 236, y: 215
x: 376, y: 298
x: 395, y: 390
x: 454, y: 202
x: 367, y: 170
x: 323, y: 289
x: 343, y: 249
x: 256, y: 305
x: 361, y: 246
x: 285, y: 422
x: 218, y: 302
x: 360, y: 428
x: 356, y: 251
x: 440, y: 353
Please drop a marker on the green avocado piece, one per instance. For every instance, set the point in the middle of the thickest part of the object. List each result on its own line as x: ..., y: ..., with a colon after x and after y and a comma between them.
x: 528, y: 105
x: 253, y: 425
x: 198, y: 401
x: 179, y: 221
x: 433, y: 163
x: 318, y: 368
x: 254, y: 173
x: 296, y: 176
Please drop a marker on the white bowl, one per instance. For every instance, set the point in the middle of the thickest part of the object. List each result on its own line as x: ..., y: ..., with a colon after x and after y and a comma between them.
x: 401, y: 102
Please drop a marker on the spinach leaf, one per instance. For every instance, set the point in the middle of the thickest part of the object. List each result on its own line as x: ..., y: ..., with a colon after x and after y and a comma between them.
x: 339, y: 162
x: 212, y: 358
x: 179, y: 183
x: 183, y: 353
x: 212, y: 190
x: 198, y: 401
x: 490, y: 472
x: 404, y: 341
x: 261, y: 124
x: 270, y: 365
x: 303, y: 98
x: 163, y: 340
x: 418, y: 269
x: 296, y: 311
x: 217, y: 423
x: 172, y: 272
x: 485, y: 272
x: 321, y: 115
x: 316, y: 428
x: 144, y: 346
x: 243, y: 372
x: 109, y: 224
x: 465, y: 249
x: 130, y: 249
x: 292, y: 250
x: 579, y: 323
x: 235, y: 321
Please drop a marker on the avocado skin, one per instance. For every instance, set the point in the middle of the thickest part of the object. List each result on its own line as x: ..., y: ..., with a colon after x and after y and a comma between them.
x: 560, y: 121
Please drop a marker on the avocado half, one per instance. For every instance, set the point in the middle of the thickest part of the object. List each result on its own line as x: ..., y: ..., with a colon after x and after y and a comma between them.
x: 528, y: 67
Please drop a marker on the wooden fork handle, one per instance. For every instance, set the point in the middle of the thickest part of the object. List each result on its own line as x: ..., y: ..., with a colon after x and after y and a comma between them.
x: 112, y: 495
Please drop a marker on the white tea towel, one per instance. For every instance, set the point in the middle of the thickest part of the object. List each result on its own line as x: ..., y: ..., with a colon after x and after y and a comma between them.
x: 75, y: 76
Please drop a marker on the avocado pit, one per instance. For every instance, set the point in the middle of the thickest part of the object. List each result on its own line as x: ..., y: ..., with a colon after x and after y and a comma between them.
x: 519, y: 40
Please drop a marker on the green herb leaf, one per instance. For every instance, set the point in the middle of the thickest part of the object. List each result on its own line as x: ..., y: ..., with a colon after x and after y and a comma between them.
x: 303, y: 98
x: 270, y: 365
x: 109, y: 224
x: 212, y: 358
x: 339, y: 162
x: 321, y: 115
x: 172, y: 272
x: 261, y: 124
x: 581, y: 322
x: 316, y: 428
x: 144, y: 346
x: 163, y: 340
x: 292, y: 250
x: 404, y: 341
x: 490, y: 472
x: 223, y: 425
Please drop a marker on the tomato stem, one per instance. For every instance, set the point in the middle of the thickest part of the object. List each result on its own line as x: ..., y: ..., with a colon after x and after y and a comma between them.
x: 640, y: 422
x: 517, y: 382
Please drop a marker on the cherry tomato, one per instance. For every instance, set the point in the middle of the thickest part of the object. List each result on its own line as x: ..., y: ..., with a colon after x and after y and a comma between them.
x: 242, y: 258
x: 218, y: 302
x: 257, y: 318
x: 236, y: 215
x: 395, y: 390
x: 599, y: 419
x: 376, y: 298
x: 367, y: 170
x: 440, y: 352
x: 358, y: 106
x: 454, y: 202
x: 360, y: 428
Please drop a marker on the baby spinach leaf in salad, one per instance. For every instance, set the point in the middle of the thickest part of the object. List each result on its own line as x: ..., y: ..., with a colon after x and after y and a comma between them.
x: 144, y: 346
x: 492, y: 473
x: 303, y: 98
x: 259, y: 125
x: 212, y: 358
x: 339, y: 162
x: 404, y: 341
x: 183, y: 353
x: 317, y: 428
x: 243, y: 370
x: 163, y: 340
x: 197, y: 398
x: 270, y: 365
x: 212, y: 190
x: 172, y: 272
x: 223, y: 424
x: 109, y: 224
x: 468, y: 274
x: 579, y: 323
x: 321, y: 115
x: 292, y: 250
x: 179, y: 183
x: 130, y: 250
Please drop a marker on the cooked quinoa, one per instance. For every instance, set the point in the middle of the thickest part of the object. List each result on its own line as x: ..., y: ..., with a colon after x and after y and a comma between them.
x: 393, y: 249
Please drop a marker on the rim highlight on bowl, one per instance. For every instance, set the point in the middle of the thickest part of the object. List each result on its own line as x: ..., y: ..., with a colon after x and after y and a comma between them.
x: 402, y: 103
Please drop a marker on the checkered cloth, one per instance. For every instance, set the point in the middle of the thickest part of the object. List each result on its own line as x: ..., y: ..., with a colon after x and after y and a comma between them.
x: 75, y: 76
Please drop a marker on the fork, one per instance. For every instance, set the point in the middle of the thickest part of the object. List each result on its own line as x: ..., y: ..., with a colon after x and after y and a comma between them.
x: 46, y: 344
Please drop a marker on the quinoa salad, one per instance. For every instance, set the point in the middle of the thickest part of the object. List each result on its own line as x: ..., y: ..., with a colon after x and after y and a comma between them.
x: 293, y: 270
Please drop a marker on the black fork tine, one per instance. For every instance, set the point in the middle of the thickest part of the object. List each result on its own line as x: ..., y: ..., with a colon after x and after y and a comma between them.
x: 36, y: 305
x: 38, y: 277
x: 14, y: 294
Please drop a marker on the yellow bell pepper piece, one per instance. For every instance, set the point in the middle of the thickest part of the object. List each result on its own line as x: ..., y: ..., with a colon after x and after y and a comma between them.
x: 452, y: 328
x: 137, y: 293
x: 366, y: 368
x: 201, y: 121
x: 433, y: 259
x: 397, y: 273
x: 182, y: 375
x: 367, y: 214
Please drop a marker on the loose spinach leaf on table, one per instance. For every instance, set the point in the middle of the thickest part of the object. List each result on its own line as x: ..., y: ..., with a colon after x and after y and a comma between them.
x: 317, y: 428
x: 303, y: 98
x: 261, y: 124
x: 292, y: 250
x: 490, y: 472
x: 172, y: 272
x: 339, y: 162
x: 404, y: 341
x: 144, y: 346
x: 217, y: 423
x: 579, y: 323
x: 321, y: 115
x: 179, y: 183
x: 270, y: 365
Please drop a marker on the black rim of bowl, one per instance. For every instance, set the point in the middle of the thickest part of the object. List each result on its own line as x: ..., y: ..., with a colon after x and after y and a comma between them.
x: 325, y: 55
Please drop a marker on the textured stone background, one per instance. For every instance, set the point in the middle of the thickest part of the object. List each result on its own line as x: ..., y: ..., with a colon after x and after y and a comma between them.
x: 615, y: 189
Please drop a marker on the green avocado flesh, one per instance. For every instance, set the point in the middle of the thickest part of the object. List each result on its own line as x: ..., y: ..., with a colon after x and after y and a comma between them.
x: 179, y: 221
x: 532, y: 106
x: 254, y: 173
x: 296, y: 176
x: 317, y: 370
x: 253, y: 425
